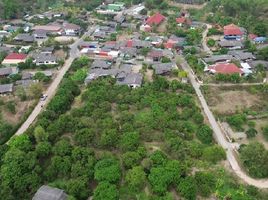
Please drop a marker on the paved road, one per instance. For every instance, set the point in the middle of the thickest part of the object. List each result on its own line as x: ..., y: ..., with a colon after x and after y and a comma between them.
x: 51, y: 91
x: 219, y: 135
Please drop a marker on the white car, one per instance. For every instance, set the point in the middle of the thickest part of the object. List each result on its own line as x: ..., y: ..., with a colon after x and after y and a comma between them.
x: 43, y: 97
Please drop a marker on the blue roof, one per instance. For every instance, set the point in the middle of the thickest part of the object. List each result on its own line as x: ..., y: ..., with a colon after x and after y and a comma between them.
x: 260, y: 39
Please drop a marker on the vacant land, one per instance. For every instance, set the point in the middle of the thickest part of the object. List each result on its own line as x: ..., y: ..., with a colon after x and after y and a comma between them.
x: 229, y: 100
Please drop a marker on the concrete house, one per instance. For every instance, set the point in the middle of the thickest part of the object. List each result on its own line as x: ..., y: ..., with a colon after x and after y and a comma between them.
x: 71, y: 29
x: 45, y: 59
x: 233, y: 32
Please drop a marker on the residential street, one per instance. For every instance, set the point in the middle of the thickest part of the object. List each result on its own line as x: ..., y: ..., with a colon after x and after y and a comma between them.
x: 51, y: 91
x: 219, y: 135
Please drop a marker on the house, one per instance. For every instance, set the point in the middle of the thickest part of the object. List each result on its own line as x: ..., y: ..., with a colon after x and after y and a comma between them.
x: 155, y: 55
x: 49, y: 193
x: 26, y: 76
x: 26, y: 83
x: 52, y: 29
x: 218, y: 58
x: 71, y: 29
x: 232, y: 32
x: 40, y: 34
x: 7, y: 71
x: 115, y: 7
x: 24, y: 37
x: 119, y: 18
x: 175, y: 42
x: 224, y: 68
x: 163, y: 68
x: 47, y: 50
x: 99, y: 35
x: 242, y: 56
x: 89, y: 45
x: 6, y: 88
x: 14, y: 59
x: 155, y: 19
x: 231, y: 44
x: 4, y: 34
x: 5, y: 49
x: 255, y: 63
x: 181, y: 21
x: 260, y: 40
x: 128, y: 52
x: 132, y: 80
x: 101, y: 64
x: 45, y: 59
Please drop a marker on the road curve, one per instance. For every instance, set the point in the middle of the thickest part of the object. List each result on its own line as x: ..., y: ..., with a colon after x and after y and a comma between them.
x: 219, y: 135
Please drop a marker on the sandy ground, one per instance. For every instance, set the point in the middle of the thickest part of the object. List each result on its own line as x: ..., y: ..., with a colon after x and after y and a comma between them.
x: 65, y: 39
x: 227, y: 102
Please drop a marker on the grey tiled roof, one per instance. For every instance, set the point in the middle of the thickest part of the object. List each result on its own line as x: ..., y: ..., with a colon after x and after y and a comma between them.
x: 217, y: 58
x: 241, y: 55
x: 6, y: 71
x: 230, y: 43
x: 6, y: 88
x: 131, y: 79
x: 101, y: 64
x: 162, y: 68
x: 49, y: 193
x: 24, y: 37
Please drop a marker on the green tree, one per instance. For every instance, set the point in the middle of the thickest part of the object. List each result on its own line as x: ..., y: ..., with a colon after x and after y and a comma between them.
x: 204, y: 134
x: 206, y: 183
x: 40, y: 134
x: 129, y: 141
x: 214, y: 154
x: 107, y: 169
x: 255, y: 158
x: 188, y: 188
x: 136, y: 178
x: 106, y: 191
x: 251, y: 132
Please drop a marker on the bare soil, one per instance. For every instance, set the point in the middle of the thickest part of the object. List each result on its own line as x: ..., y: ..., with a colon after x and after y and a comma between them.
x: 21, y: 108
x: 228, y: 102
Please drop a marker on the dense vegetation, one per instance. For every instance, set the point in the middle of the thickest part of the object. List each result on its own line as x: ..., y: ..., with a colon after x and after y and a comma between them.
x: 251, y: 15
x: 113, y: 142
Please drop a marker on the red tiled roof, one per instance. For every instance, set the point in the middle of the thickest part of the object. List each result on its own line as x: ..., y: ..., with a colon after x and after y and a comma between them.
x: 156, y: 54
x: 129, y: 43
x: 252, y: 36
x: 225, y: 68
x: 181, y: 20
x: 232, y: 29
x: 155, y: 19
x: 16, y: 56
x: 169, y: 44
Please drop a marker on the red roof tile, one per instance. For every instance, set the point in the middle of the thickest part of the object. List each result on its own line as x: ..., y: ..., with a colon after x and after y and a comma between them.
x: 225, y: 68
x: 16, y: 56
x: 155, y: 19
x: 252, y: 36
x: 232, y: 29
x: 129, y: 43
x: 181, y: 20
